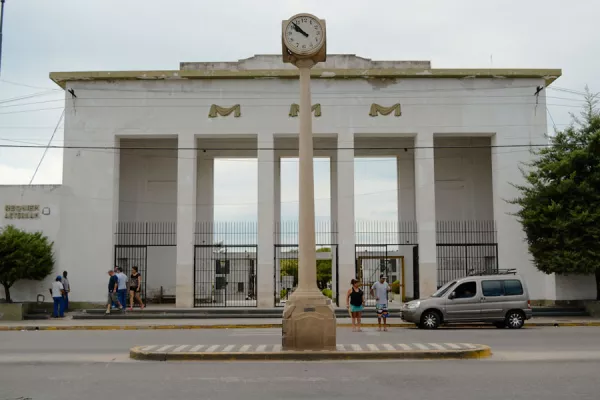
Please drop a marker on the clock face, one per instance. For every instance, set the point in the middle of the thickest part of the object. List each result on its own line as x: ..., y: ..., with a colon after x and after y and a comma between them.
x: 304, y: 35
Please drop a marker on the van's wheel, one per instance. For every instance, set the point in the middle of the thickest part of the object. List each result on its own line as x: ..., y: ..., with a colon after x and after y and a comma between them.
x: 500, y: 325
x: 430, y: 320
x: 515, y: 319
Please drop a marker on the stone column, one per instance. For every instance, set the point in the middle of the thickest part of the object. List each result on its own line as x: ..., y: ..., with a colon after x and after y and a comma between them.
x: 425, y: 212
x: 89, y: 207
x: 345, y: 212
x: 512, y: 244
x: 186, y: 218
x: 405, y: 164
x: 266, y: 220
x: 204, y: 262
x: 333, y: 194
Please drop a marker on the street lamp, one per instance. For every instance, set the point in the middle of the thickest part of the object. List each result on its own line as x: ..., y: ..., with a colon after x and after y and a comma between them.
x: 308, y: 317
x: 1, y: 24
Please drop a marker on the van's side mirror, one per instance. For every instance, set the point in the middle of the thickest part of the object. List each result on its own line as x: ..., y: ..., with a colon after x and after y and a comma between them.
x: 452, y: 295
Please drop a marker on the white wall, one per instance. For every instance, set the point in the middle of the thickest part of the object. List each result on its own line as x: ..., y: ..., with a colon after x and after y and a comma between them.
x: 148, y: 181
x: 46, y: 196
x: 575, y: 287
x: 463, y: 180
x: 161, y: 270
x: 500, y: 108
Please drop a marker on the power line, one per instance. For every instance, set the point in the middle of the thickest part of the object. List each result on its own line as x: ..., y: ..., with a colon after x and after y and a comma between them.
x: 45, y: 151
x: 79, y: 99
x: 29, y: 86
x: 275, y: 148
x: 28, y: 96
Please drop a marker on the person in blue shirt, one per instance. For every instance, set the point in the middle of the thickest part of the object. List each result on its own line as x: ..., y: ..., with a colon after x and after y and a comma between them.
x: 113, y: 286
x: 58, y: 292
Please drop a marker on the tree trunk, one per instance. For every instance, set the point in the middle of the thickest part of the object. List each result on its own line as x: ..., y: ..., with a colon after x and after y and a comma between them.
x: 7, y: 292
x: 598, y: 284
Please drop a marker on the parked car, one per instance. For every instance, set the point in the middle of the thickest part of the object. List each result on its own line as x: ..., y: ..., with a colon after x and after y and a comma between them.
x: 501, y: 299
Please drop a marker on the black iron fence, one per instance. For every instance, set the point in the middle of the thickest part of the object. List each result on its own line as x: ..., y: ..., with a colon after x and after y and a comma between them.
x: 132, y: 240
x: 386, y: 248
x: 225, y: 264
x: 465, y: 247
x: 286, y: 259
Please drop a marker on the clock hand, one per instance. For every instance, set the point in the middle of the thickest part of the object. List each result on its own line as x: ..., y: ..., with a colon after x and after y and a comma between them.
x: 299, y: 30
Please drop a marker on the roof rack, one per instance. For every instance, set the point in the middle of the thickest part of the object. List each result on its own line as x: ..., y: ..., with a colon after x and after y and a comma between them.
x: 511, y: 271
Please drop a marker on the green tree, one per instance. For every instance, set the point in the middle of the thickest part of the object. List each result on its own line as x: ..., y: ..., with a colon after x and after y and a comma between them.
x: 289, y: 267
x: 23, y: 255
x: 560, y: 201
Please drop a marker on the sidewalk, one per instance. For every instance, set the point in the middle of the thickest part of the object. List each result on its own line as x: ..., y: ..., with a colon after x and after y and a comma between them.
x: 148, y: 324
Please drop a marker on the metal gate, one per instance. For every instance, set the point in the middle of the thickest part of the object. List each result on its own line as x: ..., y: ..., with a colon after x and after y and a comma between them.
x: 127, y: 257
x: 386, y: 259
x: 131, y: 249
x: 465, y: 247
x: 225, y: 276
x: 456, y: 261
x: 386, y: 248
x: 286, y: 271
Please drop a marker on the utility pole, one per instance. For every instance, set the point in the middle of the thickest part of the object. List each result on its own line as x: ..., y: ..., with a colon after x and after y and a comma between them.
x: 1, y: 24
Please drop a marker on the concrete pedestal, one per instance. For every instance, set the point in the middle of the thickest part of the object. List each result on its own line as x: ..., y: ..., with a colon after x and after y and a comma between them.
x: 309, y: 322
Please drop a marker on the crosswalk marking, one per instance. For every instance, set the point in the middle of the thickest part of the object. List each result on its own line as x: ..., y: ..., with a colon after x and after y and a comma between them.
x: 262, y: 347
x: 452, y: 346
x: 196, y: 348
x: 468, y: 345
x: 245, y: 348
x: 148, y: 348
x: 340, y: 347
x: 420, y: 346
x: 164, y: 348
x: 229, y: 348
x: 436, y: 346
x: 213, y: 348
x: 388, y: 347
x: 356, y: 347
x: 277, y: 348
x: 404, y: 346
x: 372, y: 347
x: 180, y: 348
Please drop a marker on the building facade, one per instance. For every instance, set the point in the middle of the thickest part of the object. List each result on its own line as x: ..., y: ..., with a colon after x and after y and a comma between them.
x: 138, y: 176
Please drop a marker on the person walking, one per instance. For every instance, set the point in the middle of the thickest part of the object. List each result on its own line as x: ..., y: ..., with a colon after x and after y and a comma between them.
x: 355, y: 302
x: 122, y: 287
x: 58, y: 291
x: 381, y: 290
x: 67, y: 287
x: 135, y: 287
x: 113, y: 285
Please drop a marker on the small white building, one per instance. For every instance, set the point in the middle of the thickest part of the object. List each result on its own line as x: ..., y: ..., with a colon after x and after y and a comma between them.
x: 138, y: 177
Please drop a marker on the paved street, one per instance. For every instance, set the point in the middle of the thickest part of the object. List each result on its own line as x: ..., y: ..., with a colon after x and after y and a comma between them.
x: 535, y: 363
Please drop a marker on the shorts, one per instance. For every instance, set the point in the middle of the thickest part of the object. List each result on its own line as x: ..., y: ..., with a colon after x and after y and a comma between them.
x: 133, y: 289
x: 382, y: 310
x: 112, y: 298
x: 354, y: 308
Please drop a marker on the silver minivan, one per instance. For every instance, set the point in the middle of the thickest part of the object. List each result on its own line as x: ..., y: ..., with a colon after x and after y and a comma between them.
x: 501, y: 299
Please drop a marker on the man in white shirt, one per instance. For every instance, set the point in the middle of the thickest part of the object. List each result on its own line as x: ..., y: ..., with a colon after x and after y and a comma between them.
x: 58, y: 291
x: 381, y: 290
x: 122, y: 288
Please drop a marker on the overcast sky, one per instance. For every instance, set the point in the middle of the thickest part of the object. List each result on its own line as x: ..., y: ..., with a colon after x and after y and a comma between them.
x: 41, y: 36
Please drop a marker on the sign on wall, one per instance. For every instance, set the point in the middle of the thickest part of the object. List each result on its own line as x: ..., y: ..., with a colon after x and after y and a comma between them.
x: 13, y: 211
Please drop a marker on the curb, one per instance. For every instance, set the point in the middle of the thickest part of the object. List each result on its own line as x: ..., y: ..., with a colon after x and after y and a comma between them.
x: 259, y: 326
x: 479, y: 352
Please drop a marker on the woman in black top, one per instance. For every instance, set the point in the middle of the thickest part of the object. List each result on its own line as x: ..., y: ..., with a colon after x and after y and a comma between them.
x: 135, y: 285
x: 355, y: 302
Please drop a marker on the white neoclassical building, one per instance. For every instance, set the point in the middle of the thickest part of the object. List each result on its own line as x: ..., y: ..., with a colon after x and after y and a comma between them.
x: 139, y: 166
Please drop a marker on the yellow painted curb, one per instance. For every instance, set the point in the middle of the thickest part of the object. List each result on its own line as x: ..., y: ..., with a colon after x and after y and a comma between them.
x: 480, y: 352
x: 7, y: 328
